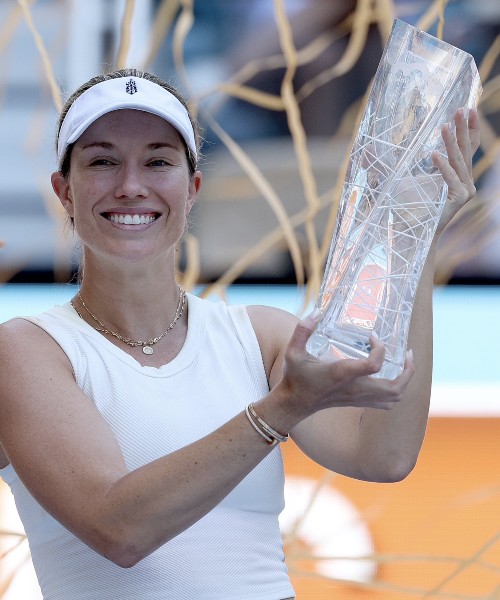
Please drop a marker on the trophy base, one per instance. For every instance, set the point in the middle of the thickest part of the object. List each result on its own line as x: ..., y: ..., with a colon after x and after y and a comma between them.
x: 329, y: 349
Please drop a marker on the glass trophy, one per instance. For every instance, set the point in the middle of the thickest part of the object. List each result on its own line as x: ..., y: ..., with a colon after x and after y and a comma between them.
x: 392, y: 198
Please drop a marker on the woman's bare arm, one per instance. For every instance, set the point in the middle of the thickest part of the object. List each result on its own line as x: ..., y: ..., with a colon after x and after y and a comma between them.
x: 69, y: 459
x: 363, y: 441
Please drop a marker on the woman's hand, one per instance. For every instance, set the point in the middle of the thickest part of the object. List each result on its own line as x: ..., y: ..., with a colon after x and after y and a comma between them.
x: 457, y: 168
x: 312, y: 384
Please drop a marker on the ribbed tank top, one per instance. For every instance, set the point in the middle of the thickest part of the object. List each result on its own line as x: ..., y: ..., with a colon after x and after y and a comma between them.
x: 235, y: 552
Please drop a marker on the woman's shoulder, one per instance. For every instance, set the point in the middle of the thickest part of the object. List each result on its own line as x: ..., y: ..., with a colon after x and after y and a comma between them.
x: 265, y: 320
x: 24, y: 337
x: 18, y: 328
x: 57, y: 313
x: 273, y: 328
x: 272, y: 320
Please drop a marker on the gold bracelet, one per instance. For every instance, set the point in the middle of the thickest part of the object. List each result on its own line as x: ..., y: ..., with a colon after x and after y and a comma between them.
x: 266, y: 431
x: 268, y: 439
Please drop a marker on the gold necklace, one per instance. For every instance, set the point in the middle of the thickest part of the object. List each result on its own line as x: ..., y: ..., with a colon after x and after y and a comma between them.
x: 146, y: 346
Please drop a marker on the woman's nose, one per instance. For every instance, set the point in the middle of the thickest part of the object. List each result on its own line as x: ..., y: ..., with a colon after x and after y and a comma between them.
x: 130, y: 182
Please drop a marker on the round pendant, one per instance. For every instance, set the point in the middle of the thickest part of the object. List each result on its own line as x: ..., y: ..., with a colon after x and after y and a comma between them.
x: 147, y: 350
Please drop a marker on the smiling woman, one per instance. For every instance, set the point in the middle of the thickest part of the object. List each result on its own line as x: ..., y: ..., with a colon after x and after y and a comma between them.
x: 129, y: 184
x: 141, y: 425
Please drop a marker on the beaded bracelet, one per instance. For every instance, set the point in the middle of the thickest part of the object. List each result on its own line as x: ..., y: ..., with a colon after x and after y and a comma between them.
x: 266, y: 431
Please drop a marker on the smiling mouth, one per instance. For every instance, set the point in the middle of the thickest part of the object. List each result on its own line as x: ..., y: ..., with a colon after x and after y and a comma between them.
x: 128, y: 219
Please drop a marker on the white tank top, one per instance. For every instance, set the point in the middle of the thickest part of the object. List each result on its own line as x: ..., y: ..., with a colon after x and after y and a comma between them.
x: 233, y: 553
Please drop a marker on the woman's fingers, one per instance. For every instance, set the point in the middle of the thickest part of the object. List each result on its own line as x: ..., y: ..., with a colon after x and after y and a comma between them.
x: 341, y: 370
x: 302, y: 332
x: 408, y: 370
x: 457, y: 168
x: 474, y: 130
x: 314, y: 384
x: 463, y: 154
x: 460, y: 187
x: 458, y: 148
x: 353, y: 368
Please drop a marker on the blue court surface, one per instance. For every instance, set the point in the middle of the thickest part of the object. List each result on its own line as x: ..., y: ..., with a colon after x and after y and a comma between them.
x: 466, y: 335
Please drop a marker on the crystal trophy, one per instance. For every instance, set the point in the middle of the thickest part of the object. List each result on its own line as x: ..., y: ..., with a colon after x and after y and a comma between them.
x: 392, y: 198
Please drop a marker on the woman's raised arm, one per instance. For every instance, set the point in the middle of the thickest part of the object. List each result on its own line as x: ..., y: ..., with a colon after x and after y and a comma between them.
x: 373, y: 429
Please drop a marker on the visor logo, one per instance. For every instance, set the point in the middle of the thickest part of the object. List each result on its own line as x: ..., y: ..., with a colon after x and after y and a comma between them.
x: 131, y: 87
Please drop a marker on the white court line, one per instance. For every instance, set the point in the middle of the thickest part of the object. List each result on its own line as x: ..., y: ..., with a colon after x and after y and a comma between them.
x: 465, y: 399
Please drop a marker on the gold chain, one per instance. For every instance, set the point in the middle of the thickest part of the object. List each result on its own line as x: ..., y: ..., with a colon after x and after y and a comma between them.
x: 146, y: 346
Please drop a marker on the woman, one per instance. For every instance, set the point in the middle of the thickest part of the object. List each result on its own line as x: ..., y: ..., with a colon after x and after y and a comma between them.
x: 141, y: 425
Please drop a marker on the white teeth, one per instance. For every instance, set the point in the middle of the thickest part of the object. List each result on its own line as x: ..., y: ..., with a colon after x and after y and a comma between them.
x: 128, y: 219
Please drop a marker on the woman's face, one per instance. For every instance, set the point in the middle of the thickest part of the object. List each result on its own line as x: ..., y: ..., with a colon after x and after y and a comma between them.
x: 129, y: 189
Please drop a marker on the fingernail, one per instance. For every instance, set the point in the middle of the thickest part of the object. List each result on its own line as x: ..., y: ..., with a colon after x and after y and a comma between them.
x: 409, y: 354
x: 375, y: 335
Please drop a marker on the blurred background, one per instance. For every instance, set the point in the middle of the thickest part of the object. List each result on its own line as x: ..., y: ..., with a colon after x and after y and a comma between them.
x: 269, y: 156
x: 227, y: 57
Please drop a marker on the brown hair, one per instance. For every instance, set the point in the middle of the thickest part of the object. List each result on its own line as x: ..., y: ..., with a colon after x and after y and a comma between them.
x: 191, y: 158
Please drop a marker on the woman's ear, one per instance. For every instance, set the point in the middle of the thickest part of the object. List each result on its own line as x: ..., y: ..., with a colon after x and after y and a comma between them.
x: 193, y: 190
x: 60, y: 185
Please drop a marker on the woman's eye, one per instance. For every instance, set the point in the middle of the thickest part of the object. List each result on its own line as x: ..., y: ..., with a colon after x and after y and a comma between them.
x: 100, y: 162
x: 158, y: 162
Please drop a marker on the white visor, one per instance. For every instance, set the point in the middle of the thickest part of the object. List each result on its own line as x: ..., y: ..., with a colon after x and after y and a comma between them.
x: 123, y: 92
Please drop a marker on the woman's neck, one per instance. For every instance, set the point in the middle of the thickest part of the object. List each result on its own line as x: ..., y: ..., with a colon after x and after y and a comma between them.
x: 136, y: 302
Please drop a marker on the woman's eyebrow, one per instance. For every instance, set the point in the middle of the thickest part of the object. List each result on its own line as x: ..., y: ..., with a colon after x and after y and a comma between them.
x: 158, y: 145
x: 106, y: 145
x: 110, y: 146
